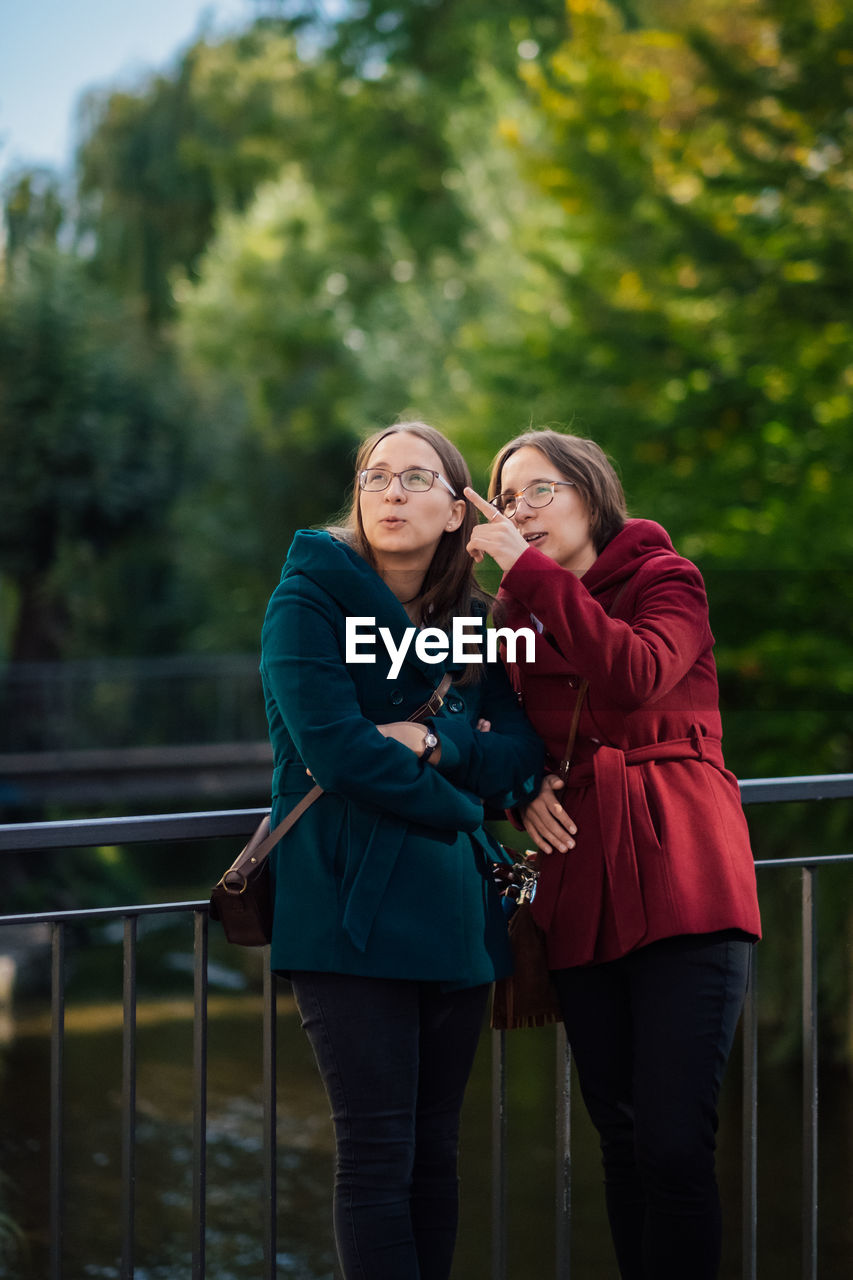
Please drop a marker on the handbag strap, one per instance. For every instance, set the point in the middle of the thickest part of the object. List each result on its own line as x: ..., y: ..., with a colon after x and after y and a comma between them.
x: 264, y: 841
x: 433, y: 704
x: 566, y: 762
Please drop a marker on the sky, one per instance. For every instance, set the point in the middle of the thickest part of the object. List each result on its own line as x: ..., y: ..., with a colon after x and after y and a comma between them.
x: 52, y: 50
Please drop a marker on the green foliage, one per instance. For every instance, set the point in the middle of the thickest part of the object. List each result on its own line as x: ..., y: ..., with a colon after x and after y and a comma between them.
x: 90, y: 432
x: 704, y: 166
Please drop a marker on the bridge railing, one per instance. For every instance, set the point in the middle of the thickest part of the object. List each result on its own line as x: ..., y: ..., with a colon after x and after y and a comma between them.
x: 239, y: 823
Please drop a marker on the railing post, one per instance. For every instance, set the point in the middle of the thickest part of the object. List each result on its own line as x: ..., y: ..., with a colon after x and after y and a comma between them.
x: 749, y: 1167
x: 564, y: 1155
x: 270, y: 1198
x: 200, y: 934
x: 810, y: 1078
x: 499, y: 1165
x: 128, y: 1099
x: 57, y: 1053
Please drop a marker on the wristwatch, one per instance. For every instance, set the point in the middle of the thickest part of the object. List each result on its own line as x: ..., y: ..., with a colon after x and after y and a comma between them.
x: 430, y: 744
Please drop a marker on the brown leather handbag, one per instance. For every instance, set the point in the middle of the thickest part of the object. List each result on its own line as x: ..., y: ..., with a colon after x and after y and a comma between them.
x: 527, y: 998
x: 242, y: 899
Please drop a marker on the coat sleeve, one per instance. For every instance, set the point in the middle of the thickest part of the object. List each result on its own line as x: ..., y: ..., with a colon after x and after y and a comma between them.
x: 636, y: 662
x: 504, y: 765
x: 307, y: 678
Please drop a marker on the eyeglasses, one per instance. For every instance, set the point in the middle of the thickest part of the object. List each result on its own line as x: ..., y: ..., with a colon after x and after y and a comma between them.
x: 413, y: 479
x: 536, y: 494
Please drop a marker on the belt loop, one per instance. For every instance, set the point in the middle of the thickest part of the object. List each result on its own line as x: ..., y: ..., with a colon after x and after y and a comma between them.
x: 696, y: 741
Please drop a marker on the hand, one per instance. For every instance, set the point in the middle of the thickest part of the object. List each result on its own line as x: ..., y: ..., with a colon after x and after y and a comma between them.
x: 483, y: 726
x: 546, y: 820
x: 499, y: 539
x: 410, y: 734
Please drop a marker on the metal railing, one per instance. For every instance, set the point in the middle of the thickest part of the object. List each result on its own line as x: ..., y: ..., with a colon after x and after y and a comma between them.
x: 193, y: 826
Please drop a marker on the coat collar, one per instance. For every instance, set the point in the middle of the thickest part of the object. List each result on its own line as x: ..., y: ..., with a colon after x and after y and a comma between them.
x: 356, y: 587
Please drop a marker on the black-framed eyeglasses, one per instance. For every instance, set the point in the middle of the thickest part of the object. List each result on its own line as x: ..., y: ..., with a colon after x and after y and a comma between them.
x: 536, y: 494
x: 413, y: 479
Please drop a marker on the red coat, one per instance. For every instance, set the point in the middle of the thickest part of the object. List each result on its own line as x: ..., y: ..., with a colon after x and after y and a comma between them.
x: 662, y: 846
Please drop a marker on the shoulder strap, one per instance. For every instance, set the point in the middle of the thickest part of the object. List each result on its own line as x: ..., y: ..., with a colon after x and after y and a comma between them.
x: 566, y: 762
x: 434, y: 704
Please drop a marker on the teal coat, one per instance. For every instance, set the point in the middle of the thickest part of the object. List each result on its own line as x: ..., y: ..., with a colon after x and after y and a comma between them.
x: 387, y: 873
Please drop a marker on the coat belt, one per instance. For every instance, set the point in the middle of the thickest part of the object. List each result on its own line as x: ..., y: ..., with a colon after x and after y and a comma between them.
x: 608, y: 771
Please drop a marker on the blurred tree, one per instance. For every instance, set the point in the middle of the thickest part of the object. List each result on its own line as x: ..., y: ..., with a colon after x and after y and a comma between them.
x: 33, y: 208
x: 361, y: 101
x: 92, y: 429
x: 446, y: 42
x: 703, y: 158
x: 155, y: 165
x: 261, y: 335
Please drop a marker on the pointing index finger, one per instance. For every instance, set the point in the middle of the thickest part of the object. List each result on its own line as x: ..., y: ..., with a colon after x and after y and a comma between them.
x: 486, y: 508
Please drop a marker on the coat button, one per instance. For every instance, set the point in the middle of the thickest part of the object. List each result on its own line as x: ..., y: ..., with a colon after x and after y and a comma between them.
x: 455, y: 704
x: 396, y: 698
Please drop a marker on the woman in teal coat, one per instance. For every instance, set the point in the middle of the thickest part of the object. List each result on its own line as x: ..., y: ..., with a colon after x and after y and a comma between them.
x: 386, y: 918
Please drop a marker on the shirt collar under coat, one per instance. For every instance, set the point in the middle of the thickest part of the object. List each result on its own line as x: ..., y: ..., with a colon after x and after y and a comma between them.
x: 347, y: 577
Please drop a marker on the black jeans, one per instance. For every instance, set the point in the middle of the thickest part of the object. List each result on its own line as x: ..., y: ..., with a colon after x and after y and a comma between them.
x: 651, y: 1034
x: 395, y: 1058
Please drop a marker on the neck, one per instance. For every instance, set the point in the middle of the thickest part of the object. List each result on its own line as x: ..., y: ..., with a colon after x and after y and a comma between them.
x: 405, y: 584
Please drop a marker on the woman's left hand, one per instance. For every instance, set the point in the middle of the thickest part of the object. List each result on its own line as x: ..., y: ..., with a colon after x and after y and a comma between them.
x: 499, y: 539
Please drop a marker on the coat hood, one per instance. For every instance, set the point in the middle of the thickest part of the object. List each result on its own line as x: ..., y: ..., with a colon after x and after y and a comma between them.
x: 345, y: 575
x: 636, y: 544
x: 356, y: 587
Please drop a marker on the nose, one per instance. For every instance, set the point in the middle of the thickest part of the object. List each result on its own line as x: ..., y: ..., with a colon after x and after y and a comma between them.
x: 395, y: 491
x: 522, y: 511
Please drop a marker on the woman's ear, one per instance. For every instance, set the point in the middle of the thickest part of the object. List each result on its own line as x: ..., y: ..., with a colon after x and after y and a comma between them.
x: 457, y: 515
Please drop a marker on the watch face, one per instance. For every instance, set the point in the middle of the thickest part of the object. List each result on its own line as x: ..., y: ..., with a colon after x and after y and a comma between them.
x: 430, y: 740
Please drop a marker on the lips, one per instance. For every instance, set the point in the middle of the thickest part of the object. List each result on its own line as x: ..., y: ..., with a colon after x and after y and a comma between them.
x: 533, y: 537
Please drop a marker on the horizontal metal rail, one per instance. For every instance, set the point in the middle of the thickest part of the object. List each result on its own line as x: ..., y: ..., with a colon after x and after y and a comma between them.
x: 206, y: 825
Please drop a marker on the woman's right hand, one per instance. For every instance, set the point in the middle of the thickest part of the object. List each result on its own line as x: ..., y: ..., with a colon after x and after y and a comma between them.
x: 546, y: 820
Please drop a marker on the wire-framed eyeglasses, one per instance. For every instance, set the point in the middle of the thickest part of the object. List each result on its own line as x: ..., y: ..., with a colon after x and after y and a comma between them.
x: 413, y: 479
x: 539, y: 493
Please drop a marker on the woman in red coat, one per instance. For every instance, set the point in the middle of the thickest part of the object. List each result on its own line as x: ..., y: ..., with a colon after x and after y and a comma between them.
x: 647, y: 886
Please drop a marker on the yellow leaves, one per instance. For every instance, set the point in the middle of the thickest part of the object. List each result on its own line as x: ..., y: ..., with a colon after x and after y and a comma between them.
x: 596, y: 14
x: 676, y: 390
x: 802, y: 272
x: 777, y: 385
x: 829, y: 13
x: 685, y: 188
x: 631, y: 293
x: 687, y: 276
x: 834, y: 409
x: 509, y: 131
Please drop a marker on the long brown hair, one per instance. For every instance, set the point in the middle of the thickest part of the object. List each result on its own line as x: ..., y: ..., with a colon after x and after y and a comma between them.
x: 587, y: 466
x: 449, y: 586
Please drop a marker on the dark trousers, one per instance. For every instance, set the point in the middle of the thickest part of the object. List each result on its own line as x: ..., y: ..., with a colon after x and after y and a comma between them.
x: 395, y: 1058
x: 651, y: 1034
